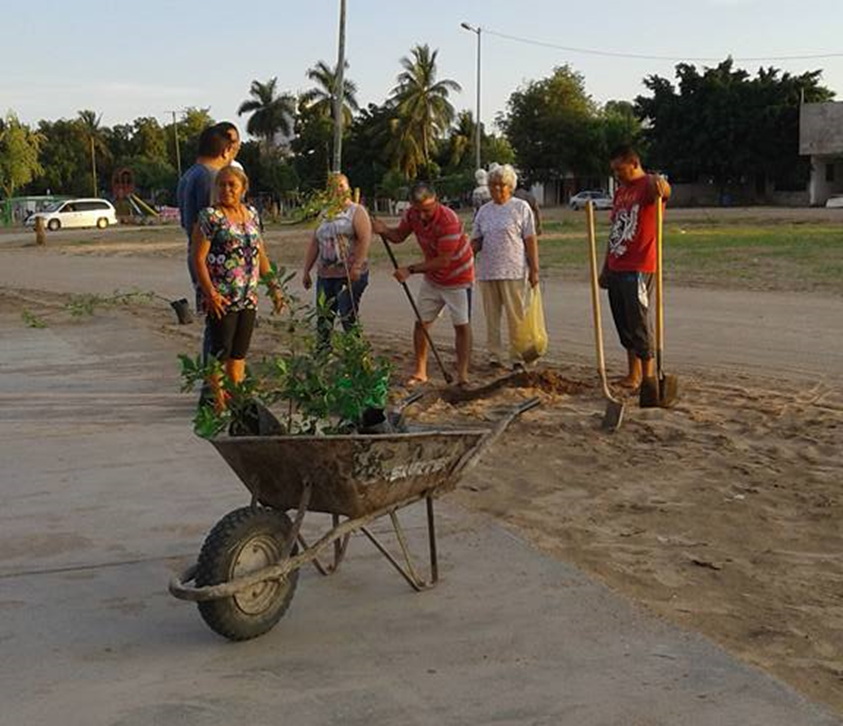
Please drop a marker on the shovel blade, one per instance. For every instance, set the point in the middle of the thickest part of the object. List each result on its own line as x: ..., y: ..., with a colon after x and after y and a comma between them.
x: 668, y: 391
x: 613, y: 417
x: 659, y: 392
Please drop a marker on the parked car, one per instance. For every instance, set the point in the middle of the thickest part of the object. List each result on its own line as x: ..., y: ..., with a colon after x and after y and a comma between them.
x: 601, y: 200
x: 835, y: 202
x: 76, y: 213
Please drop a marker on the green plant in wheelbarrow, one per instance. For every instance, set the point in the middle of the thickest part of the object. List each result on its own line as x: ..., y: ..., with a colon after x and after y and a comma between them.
x: 339, y: 388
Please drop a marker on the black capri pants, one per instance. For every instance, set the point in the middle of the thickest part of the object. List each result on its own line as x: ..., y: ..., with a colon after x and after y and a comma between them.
x: 629, y: 298
x: 231, y: 334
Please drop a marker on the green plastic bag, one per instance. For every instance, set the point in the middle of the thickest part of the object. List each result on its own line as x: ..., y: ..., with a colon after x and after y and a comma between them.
x: 530, y: 339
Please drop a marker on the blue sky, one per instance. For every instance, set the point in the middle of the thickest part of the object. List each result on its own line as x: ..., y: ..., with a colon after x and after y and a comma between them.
x: 144, y: 59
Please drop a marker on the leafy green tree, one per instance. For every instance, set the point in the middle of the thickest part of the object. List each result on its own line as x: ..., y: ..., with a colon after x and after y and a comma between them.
x: 155, y: 179
x: 365, y: 150
x: 422, y: 108
x: 268, y: 174
x: 119, y: 139
x: 271, y: 114
x: 149, y: 139
x: 312, y: 147
x: 553, y: 126
x: 724, y: 125
x: 191, y: 123
x: 19, y: 149
x: 496, y: 148
x: 620, y: 126
x: 65, y: 158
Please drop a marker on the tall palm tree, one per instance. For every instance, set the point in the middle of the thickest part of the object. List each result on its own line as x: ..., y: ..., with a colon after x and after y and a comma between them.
x: 89, y: 122
x: 271, y: 114
x: 421, y: 102
x: 321, y: 98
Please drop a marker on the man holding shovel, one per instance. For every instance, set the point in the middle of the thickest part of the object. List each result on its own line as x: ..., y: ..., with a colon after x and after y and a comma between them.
x: 630, y: 262
x: 448, y: 270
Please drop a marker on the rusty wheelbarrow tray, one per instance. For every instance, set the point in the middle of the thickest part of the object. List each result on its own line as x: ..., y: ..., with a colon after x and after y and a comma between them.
x: 247, y: 570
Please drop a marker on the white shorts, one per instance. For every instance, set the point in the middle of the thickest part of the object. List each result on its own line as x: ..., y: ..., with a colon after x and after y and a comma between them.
x: 433, y: 298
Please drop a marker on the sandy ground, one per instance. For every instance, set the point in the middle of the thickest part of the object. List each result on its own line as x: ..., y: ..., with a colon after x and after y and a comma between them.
x: 722, y: 515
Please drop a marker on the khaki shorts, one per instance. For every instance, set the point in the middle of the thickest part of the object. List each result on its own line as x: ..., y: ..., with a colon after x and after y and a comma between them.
x: 434, y: 298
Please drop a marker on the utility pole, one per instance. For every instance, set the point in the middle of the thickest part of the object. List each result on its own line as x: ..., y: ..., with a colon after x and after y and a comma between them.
x: 477, y: 131
x: 339, y: 89
x: 93, y: 164
x: 176, y: 139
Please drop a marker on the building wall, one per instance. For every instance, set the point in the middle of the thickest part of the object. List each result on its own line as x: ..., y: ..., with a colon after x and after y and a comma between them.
x: 826, y: 178
x: 821, y: 129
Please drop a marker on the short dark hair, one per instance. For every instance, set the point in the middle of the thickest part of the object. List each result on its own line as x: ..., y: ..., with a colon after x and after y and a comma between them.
x: 624, y: 152
x: 213, y: 142
x: 421, y: 192
x: 226, y: 127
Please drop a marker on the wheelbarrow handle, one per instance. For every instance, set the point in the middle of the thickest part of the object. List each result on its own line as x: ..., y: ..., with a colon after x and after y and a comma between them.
x: 470, y: 458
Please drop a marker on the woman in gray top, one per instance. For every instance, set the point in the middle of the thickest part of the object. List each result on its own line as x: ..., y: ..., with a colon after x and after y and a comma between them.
x: 339, y: 248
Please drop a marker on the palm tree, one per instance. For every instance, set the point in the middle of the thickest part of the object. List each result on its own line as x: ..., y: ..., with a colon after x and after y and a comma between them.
x: 271, y: 114
x: 89, y: 122
x: 461, y: 138
x: 321, y: 98
x: 421, y: 102
x: 403, y: 148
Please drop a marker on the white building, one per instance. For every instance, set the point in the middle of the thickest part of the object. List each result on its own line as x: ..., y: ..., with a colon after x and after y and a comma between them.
x: 821, y: 138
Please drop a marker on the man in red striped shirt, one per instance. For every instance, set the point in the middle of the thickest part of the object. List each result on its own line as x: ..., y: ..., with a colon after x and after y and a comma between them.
x: 448, y: 270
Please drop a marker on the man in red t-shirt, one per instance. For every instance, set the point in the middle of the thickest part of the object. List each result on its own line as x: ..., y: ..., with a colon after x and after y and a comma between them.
x: 631, y: 259
x: 448, y: 269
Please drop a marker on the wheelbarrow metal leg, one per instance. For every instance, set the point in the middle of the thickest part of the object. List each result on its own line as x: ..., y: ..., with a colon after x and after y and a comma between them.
x: 431, y: 534
x: 307, y: 490
x: 340, y: 548
x: 412, y: 581
x: 407, y: 569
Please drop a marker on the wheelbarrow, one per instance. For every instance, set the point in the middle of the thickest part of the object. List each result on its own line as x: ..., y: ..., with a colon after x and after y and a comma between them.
x: 247, y: 570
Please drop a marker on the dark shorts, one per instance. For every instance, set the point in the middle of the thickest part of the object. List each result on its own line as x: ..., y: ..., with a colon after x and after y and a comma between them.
x: 629, y: 297
x: 231, y: 334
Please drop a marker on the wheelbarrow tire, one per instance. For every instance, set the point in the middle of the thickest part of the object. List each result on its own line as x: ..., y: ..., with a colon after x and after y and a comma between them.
x: 245, y: 541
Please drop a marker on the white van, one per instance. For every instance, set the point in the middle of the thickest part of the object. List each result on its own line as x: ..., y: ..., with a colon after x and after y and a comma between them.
x: 76, y: 213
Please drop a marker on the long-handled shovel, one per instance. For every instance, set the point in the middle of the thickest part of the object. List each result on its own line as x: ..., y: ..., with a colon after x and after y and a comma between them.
x: 663, y: 390
x: 614, y: 408
x: 447, y: 376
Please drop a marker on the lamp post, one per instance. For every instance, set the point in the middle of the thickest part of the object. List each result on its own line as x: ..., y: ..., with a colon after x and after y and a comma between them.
x: 338, y: 93
x: 478, y: 30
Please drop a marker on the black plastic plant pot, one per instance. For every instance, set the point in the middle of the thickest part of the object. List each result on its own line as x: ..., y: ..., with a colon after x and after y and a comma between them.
x: 183, y: 312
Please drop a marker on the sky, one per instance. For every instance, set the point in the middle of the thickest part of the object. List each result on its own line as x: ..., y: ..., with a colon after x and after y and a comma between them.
x: 126, y: 60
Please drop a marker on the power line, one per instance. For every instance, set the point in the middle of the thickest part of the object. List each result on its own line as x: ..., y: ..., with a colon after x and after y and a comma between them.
x: 641, y: 56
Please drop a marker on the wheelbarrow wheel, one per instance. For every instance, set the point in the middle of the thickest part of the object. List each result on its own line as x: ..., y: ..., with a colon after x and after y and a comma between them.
x: 245, y: 541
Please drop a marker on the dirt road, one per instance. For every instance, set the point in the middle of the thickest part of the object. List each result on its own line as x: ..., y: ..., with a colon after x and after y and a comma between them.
x: 775, y: 335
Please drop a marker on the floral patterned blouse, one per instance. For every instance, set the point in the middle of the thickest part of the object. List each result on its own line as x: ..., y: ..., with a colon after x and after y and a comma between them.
x: 234, y: 258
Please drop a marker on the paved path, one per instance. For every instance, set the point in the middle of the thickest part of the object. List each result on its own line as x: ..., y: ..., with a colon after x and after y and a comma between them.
x: 105, y: 493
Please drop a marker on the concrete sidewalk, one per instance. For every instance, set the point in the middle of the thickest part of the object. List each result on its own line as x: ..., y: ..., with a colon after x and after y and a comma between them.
x: 105, y: 492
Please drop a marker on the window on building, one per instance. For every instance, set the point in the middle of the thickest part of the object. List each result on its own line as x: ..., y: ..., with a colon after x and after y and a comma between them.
x: 829, y: 171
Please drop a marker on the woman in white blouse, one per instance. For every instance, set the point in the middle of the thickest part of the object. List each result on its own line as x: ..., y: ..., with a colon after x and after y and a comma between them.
x: 507, y: 264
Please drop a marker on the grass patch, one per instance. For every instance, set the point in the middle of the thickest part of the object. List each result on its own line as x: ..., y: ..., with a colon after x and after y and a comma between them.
x: 774, y: 257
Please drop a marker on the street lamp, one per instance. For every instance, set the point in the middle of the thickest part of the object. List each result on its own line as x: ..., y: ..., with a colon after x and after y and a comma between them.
x: 477, y: 31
